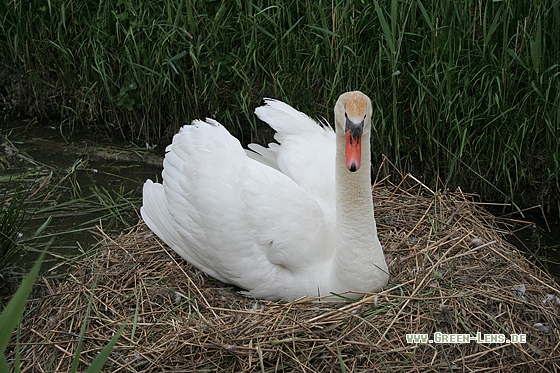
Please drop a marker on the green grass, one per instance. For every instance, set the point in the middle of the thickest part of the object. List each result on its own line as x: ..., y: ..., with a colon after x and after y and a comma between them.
x: 13, y: 216
x: 467, y: 90
x: 11, y: 315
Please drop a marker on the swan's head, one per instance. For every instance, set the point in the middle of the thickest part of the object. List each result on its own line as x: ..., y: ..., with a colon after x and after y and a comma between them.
x: 352, y: 114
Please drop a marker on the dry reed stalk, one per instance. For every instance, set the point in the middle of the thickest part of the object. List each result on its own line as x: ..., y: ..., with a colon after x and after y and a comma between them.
x: 451, y: 272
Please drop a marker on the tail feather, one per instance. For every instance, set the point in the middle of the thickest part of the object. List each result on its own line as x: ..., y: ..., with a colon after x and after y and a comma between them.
x: 156, y: 215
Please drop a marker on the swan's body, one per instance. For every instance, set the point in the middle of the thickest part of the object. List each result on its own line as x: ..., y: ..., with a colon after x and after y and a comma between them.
x: 283, y: 222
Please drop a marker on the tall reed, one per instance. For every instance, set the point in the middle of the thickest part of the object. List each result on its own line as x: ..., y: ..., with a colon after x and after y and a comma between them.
x: 468, y: 90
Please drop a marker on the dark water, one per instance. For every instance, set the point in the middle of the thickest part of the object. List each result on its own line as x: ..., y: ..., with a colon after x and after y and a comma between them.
x: 541, y: 242
x: 81, y: 179
x: 120, y: 169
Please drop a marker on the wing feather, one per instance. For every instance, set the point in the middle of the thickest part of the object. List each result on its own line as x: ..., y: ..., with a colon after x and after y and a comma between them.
x: 233, y: 217
x: 306, y: 152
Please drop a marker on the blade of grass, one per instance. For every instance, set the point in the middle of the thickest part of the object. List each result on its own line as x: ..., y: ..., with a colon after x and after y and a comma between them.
x: 11, y: 315
x: 100, y: 360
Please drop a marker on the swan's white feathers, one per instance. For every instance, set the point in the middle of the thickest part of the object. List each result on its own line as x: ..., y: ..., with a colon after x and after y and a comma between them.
x: 306, y: 152
x: 267, y: 219
x: 225, y: 212
x: 268, y: 156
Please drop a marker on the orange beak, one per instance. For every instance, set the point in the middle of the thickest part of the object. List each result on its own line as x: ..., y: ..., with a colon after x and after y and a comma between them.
x: 353, y: 149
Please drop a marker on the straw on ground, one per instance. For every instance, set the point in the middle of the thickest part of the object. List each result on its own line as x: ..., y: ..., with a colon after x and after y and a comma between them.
x: 451, y: 272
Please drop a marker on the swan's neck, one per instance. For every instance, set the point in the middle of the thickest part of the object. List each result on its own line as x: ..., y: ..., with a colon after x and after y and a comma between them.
x: 359, y: 263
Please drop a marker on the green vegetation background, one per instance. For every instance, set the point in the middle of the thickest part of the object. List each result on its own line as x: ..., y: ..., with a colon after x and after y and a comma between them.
x: 467, y: 90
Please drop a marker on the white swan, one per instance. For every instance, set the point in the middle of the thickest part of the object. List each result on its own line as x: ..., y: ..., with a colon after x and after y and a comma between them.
x: 291, y: 220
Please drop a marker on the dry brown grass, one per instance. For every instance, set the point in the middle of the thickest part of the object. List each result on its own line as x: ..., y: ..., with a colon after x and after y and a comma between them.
x: 450, y: 272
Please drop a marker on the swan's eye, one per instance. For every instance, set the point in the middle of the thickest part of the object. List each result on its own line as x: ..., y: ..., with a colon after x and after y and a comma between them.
x: 346, y: 115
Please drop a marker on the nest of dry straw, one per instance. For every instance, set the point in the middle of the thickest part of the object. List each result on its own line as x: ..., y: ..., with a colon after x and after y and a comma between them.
x: 451, y: 272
